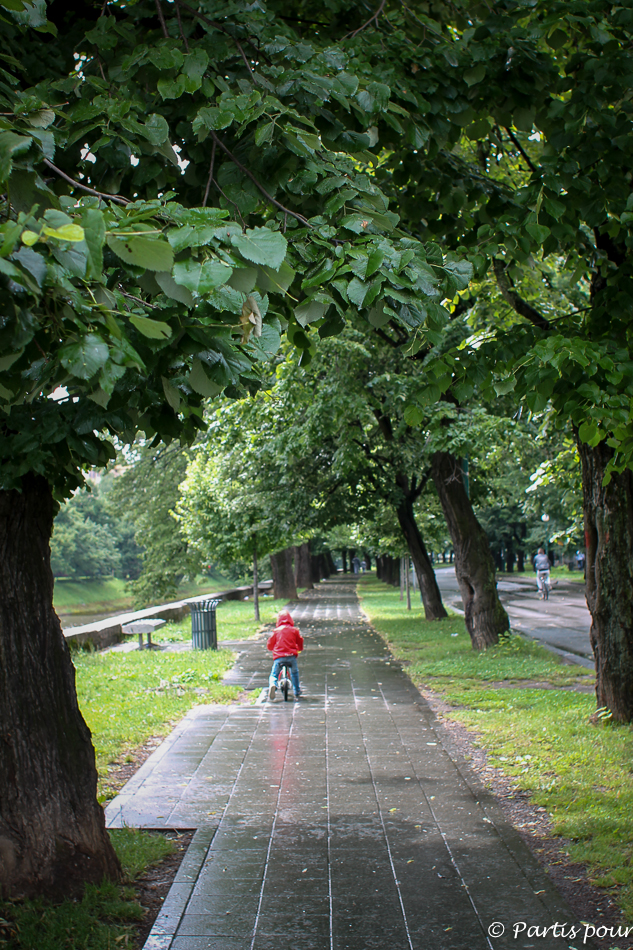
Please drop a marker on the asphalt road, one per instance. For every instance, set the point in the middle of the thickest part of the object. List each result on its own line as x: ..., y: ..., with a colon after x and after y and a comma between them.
x: 561, y: 623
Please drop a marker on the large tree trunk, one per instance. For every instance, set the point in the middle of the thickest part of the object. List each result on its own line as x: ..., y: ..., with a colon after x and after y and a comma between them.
x: 431, y: 597
x: 324, y: 566
x: 303, y: 566
x: 284, y: 587
x: 316, y: 568
x: 484, y: 614
x: 609, y: 578
x: 52, y: 829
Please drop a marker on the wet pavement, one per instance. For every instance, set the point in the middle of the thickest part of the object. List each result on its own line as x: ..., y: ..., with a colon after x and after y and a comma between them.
x: 336, y: 823
x: 561, y: 623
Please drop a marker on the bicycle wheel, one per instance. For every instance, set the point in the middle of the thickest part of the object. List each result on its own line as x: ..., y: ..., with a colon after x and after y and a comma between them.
x: 545, y: 590
x: 285, y: 683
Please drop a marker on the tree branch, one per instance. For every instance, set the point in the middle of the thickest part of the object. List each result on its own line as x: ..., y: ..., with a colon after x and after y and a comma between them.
x: 210, y: 178
x: 163, y: 25
x: 184, y: 38
x: 91, y: 191
x: 372, y: 19
x: 223, y: 29
x: 250, y: 175
x: 518, y: 145
x: 522, y: 307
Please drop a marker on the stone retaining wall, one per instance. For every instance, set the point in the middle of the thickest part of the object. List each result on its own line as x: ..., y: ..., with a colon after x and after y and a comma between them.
x: 105, y: 633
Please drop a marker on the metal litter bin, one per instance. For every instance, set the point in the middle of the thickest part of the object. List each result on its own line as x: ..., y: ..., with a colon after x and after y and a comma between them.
x: 204, y: 634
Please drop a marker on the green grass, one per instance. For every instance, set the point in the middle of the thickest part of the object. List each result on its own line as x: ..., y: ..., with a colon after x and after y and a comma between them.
x: 127, y: 697
x: 234, y: 620
x: 102, y: 920
x: 542, y: 737
x: 88, y: 595
x: 111, y: 593
x: 560, y: 573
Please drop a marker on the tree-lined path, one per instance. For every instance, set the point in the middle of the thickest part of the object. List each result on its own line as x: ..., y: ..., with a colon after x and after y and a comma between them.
x: 337, y: 822
x: 562, y: 622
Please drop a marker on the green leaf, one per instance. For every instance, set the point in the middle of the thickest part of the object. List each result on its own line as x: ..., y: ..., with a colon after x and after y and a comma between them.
x: 11, y: 144
x: 154, y: 329
x: 173, y: 290
x: 67, y: 232
x: 262, y: 246
x: 172, y: 395
x: 200, y: 382
x: 275, y: 281
x: 503, y: 386
x: 309, y: 311
x: 201, y: 277
x: 243, y: 279
x: 84, y: 358
x: 210, y: 117
x: 413, y: 415
x: 143, y: 252
x: 171, y: 88
x: 156, y: 129
x: 474, y: 75
x: 539, y: 232
x: 378, y: 316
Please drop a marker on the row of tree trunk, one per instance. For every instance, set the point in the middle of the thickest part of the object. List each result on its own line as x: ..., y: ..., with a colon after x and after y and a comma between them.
x: 388, y: 569
x: 297, y: 567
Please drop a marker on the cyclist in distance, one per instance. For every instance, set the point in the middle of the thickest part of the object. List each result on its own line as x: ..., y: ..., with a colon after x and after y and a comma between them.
x: 542, y: 567
x: 286, y: 643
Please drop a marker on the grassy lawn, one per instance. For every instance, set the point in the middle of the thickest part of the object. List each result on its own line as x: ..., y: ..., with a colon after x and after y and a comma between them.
x: 111, y: 593
x: 234, y: 620
x: 126, y: 698
x: 559, y: 573
x: 540, y: 736
x: 102, y: 920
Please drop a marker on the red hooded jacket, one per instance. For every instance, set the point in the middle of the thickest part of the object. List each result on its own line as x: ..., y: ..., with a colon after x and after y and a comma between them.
x: 285, y: 639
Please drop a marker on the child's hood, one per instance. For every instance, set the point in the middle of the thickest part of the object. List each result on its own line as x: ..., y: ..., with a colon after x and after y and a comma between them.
x: 284, y: 620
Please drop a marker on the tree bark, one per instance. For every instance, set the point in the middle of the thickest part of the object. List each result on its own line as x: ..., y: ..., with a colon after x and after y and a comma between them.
x: 330, y: 563
x: 367, y: 558
x: 284, y: 586
x: 608, y: 513
x: 255, y: 584
x: 303, y: 566
x: 52, y: 829
x: 324, y: 566
x: 431, y: 597
x: 316, y: 568
x: 484, y: 614
x: 510, y: 556
x: 344, y: 559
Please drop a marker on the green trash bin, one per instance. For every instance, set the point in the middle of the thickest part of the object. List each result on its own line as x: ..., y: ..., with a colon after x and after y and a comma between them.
x: 204, y: 634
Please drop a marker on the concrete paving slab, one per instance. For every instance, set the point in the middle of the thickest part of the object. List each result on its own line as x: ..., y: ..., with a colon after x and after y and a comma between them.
x: 337, y: 823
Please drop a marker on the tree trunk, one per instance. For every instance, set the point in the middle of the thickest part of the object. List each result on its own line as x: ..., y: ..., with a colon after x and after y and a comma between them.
x: 284, y: 586
x: 344, y: 559
x: 609, y: 578
x: 52, y: 829
x: 332, y: 568
x: 324, y: 566
x: 520, y: 560
x: 316, y: 568
x: 255, y: 584
x: 367, y: 560
x: 510, y: 557
x: 431, y: 597
x: 303, y: 566
x: 379, y: 563
x: 474, y: 566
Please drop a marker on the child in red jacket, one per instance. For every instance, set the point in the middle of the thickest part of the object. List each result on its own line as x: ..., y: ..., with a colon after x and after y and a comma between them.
x: 286, y: 643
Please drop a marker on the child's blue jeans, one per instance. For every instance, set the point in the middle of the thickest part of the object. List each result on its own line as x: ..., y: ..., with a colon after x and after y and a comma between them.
x: 290, y: 661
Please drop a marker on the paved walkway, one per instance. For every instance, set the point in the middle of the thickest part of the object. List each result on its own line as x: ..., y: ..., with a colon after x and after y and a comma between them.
x: 336, y: 823
x: 561, y: 623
